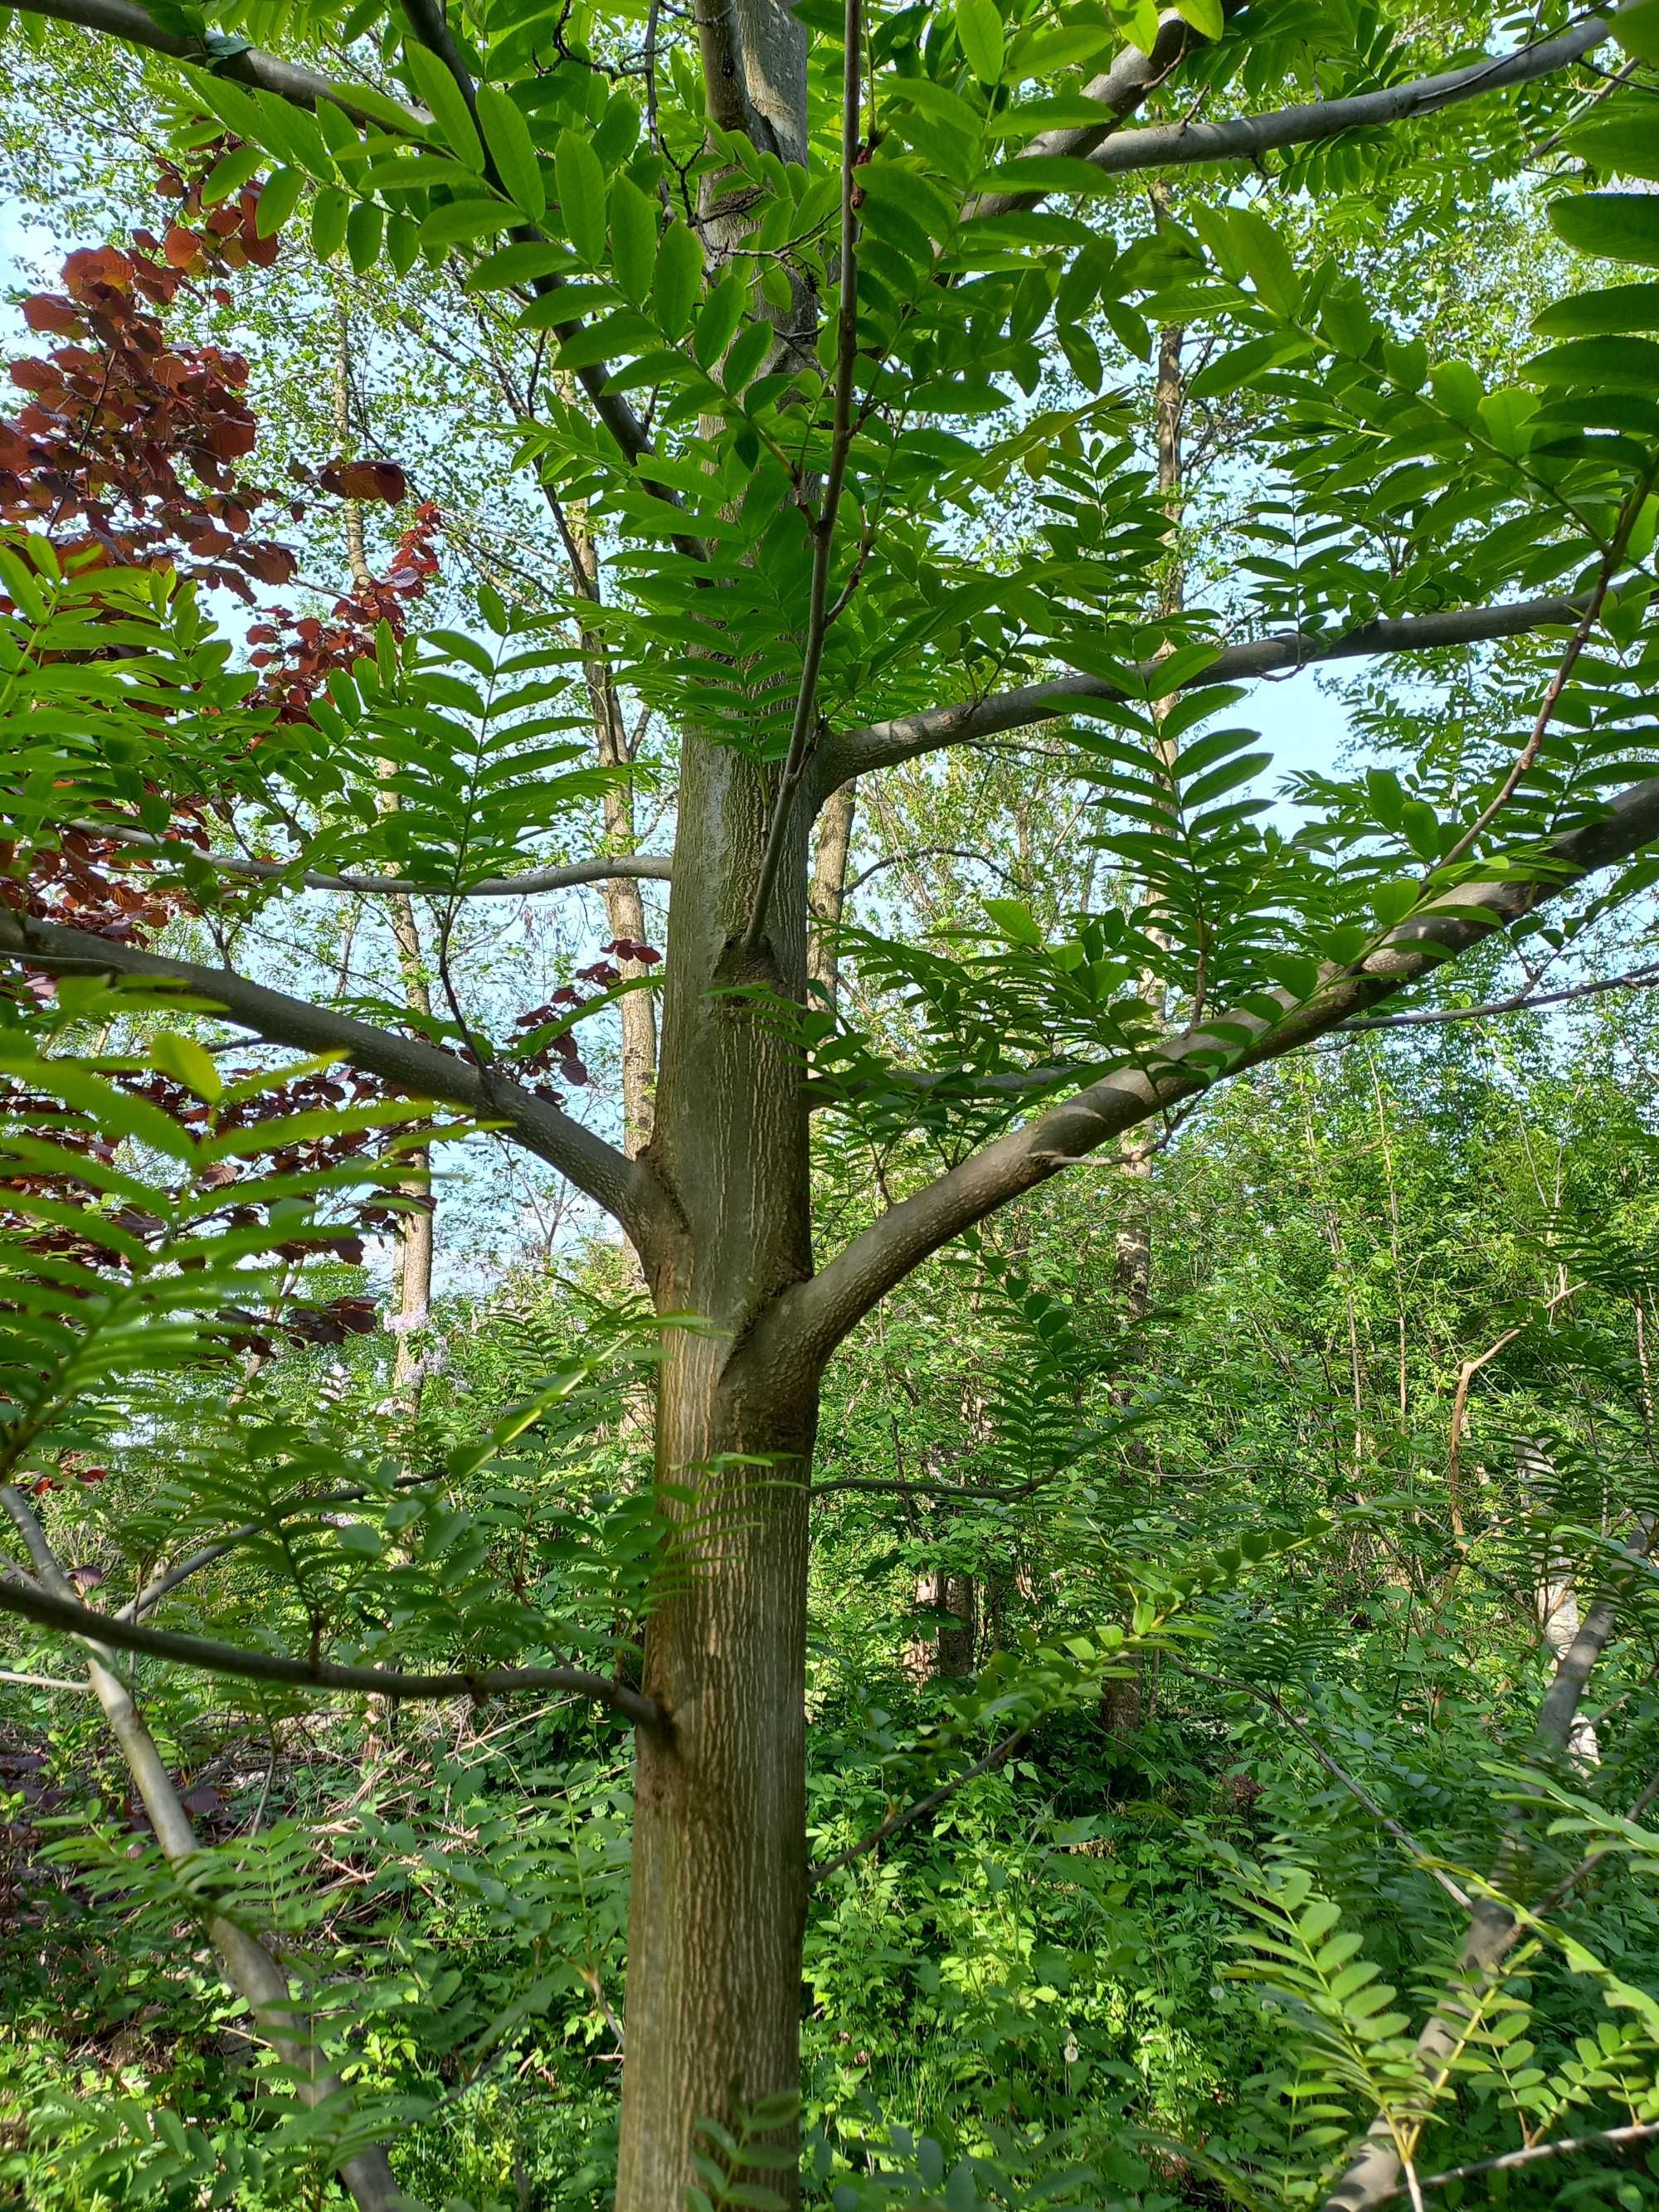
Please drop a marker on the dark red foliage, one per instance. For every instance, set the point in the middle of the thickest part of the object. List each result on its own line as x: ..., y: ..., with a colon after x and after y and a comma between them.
x: 126, y: 453
x: 629, y: 948
x: 127, y: 446
x: 365, y: 480
x: 546, y: 1049
x: 298, y: 654
x: 298, y: 1321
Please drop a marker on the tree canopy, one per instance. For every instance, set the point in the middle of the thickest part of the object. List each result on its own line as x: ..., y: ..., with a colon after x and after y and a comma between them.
x: 640, y: 660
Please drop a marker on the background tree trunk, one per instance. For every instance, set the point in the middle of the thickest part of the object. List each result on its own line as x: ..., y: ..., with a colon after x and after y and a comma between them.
x: 827, y: 893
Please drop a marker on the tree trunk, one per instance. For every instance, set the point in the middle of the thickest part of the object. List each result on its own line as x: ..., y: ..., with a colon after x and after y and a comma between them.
x: 624, y: 902
x: 827, y: 893
x: 949, y: 1651
x: 412, y: 1265
x: 719, y: 1903
x: 1557, y: 1598
x: 718, y: 1906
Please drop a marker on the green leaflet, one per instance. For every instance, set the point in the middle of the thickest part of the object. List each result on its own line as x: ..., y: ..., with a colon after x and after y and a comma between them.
x: 365, y: 227
x: 717, y: 319
x: 277, y: 200
x: 1619, y: 308
x: 979, y: 29
x: 633, y: 239
x: 329, y: 213
x: 440, y: 93
x: 1614, y: 363
x: 580, y: 184
x: 1636, y: 29
x: 462, y: 221
x: 1625, y: 144
x: 506, y: 134
x: 677, y: 279
x: 1618, y: 226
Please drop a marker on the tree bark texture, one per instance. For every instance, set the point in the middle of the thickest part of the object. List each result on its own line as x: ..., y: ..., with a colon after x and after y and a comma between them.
x: 718, y: 1907
x: 827, y: 894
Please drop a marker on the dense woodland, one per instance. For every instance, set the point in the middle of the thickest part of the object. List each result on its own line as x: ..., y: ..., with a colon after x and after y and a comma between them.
x: 829, y: 1247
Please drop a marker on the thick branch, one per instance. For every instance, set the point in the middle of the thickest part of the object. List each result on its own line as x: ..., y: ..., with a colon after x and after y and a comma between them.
x: 608, y: 1176
x: 1249, y: 137
x: 136, y: 27
x: 70, y: 1618
x: 807, y: 1321
x: 880, y: 744
x: 650, y: 867
x: 1120, y: 91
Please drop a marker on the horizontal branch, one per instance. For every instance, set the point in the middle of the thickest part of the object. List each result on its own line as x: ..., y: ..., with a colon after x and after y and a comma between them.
x: 1248, y: 138
x: 1521, y: 1002
x: 880, y: 744
x: 111, y: 1630
x: 806, y: 1321
x: 136, y: 27
x: 890, y: 1485
x: 647, y: 867
x: 608, y: 1176
x: 45, y: 1682
x: 1626, y: 2138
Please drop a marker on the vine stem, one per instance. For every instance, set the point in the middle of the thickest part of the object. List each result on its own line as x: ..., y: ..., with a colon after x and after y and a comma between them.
x: 823, y: 530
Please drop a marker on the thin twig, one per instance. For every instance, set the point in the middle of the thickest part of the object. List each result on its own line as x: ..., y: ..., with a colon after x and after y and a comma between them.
x: 821, y: 1869
x: 1521, y: 1003
x: 1617, y: 2138
x: 606, y: 868
x: 1355, y: 1788
x: 1557, y: 683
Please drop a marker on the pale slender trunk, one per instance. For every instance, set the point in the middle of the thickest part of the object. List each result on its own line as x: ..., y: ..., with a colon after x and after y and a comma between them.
x: 412, y: 1266
x: 1122, y: 1701
x: 415, y: 1236
x: 827, y: 893
x: 952, y: 1598
x: 1557, y: 1598
x: 1373, y: 2176
x: 247, y: 1966
x: 624, y: 902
